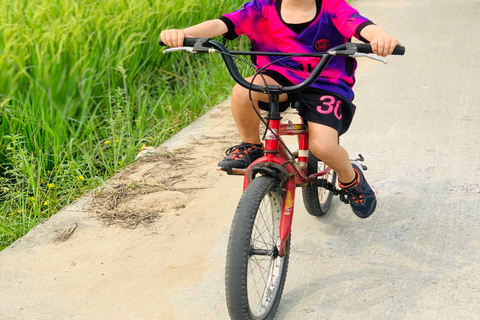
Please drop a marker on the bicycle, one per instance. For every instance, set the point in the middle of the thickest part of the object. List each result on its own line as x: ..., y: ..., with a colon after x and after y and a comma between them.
x: 259, y: 242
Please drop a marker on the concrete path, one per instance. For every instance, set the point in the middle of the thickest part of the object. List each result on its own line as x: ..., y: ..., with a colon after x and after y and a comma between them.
x: 417, y: 257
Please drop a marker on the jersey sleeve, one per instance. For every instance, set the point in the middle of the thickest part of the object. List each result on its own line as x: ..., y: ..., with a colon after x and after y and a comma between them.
x: 245, y: 17
x: 346, y: 19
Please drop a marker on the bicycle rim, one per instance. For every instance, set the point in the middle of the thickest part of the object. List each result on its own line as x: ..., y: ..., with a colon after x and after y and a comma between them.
x: 255, y: 274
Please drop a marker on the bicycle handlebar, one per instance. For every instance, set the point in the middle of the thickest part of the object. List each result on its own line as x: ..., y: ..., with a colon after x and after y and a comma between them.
x: 361, y: 47
x: 206, y: 45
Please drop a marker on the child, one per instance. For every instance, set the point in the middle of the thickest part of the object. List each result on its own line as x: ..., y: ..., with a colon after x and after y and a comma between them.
x: 300, y: 26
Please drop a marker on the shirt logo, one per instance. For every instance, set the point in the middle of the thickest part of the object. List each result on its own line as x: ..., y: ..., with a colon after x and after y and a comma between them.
x: 322, y: 45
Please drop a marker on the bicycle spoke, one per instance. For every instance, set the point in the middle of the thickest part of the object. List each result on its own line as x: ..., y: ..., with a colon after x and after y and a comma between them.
x: 262, y: 283
x: 265, y: 206
x: 257, y: 287
x: 322, y: 192
x: 316, y: 196
x: 259, y: 267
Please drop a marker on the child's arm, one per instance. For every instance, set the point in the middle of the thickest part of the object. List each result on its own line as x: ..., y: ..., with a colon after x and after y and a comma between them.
x: 209, y: 29
x: 381, y: 41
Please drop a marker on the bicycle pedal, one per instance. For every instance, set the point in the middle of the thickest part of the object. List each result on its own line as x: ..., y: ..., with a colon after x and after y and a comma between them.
x: 233, y: 171
x: 360, y: 158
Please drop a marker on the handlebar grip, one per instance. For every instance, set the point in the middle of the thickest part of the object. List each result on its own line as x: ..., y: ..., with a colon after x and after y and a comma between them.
x: 190, y: 42
x: 367, y: 48
x: 187, y: 42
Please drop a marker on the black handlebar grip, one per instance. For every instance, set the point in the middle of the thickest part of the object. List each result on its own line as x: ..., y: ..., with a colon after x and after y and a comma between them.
x: 190, y: 42
x: 367, y: 48
x: 399, y: 51
x: 187, y: 42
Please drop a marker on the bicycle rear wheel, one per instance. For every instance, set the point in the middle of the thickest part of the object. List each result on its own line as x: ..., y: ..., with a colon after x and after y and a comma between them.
x: 255, y: 273
x: 317, y: 200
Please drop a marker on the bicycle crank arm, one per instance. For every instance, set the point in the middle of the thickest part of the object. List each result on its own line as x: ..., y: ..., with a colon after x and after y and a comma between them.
x: 322, y: 183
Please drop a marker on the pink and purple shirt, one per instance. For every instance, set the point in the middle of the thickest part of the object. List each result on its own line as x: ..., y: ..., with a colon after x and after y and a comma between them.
x: 335, y: 23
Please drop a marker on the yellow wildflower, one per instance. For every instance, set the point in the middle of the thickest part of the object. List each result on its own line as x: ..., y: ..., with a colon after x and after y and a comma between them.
x: 107, y: 142
x: 81, y: 177
x: 50, y: 185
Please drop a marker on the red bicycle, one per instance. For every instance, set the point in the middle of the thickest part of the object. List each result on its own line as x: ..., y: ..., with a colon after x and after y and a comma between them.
x: 259, y: 242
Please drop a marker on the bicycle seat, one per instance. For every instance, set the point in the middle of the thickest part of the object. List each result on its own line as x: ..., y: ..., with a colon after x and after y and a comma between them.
x: 296, y: 104
x: 283, y: 105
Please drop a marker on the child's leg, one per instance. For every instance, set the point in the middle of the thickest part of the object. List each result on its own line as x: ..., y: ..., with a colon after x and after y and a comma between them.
x: 323, y: 142
x: 239, y: 157
x: 244, y: 115
x: 324, y: 145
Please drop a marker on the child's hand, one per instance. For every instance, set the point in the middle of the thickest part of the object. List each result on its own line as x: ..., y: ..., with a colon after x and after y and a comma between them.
x: 208, y: 29
x: 173, y: 37
x: 383, y: 46
x: 381, y: 41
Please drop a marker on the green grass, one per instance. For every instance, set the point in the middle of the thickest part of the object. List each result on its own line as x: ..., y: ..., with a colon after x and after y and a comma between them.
x: 83, y: 84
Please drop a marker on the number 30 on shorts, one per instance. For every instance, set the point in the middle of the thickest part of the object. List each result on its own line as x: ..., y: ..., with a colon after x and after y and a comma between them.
x: 330, y: 104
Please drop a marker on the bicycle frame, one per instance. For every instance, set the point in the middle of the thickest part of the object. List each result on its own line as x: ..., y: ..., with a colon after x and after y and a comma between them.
x: 276, y: 162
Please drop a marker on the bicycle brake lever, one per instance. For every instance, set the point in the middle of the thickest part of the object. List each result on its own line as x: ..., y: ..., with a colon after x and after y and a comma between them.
x: 189, y: 49
x: 365, y: 55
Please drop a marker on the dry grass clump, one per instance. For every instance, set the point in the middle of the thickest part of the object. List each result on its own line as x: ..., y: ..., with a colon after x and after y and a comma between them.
x: 105, y: 206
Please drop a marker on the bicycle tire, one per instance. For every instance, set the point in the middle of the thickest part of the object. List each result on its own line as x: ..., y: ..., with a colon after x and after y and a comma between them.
x: 317, y: 200
x: 254, y: 285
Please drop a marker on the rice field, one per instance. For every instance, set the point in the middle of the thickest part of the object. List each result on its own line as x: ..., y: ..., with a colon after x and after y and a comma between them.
x: 83, y: 84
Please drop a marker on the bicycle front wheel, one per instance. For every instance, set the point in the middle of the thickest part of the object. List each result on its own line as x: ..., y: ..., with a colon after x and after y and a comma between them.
x: 255, y: 273
x: 317, y: 200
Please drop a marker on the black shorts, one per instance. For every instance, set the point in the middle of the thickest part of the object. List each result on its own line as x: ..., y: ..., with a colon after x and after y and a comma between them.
x: 316, y: 105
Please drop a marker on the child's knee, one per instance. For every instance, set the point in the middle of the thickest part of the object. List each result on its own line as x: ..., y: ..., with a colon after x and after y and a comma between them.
x: 242, y: 96
x: 323, y: 149
x: 239, y: 93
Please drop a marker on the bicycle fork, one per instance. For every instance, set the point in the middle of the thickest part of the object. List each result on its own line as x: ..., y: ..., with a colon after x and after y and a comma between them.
x: 290, y: 187
x: 278, y: 166
x: 287, y: 215
x: 277, y: 163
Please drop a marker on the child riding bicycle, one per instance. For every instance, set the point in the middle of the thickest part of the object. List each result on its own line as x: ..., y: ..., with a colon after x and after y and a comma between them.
x: 305, y: 26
